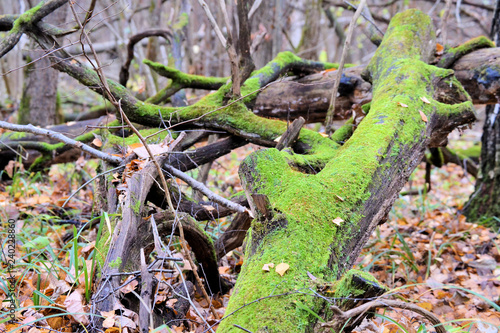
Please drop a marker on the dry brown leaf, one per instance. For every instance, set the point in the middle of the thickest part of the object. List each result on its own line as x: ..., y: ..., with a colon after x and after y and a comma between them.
x: 282, y: 268
x: 425, y: 305
x: 74, y: 305
x: 423, y: 116
x: 97, y: 142
x: 439, y: 49
x: 208, y: 207
x: 402, y: 104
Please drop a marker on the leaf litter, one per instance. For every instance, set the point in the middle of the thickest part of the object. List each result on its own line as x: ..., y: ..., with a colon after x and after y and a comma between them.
x: 425, y: 253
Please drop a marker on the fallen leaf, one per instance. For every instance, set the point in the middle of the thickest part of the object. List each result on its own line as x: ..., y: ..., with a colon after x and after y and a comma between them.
x: 338, y: 221
x: 208, y: 207
x: 425, y: 100
x: 424, y: 117
x: 267, y: 267
x: 224, y: 269
x: 282, y: 268
x: 439, y: 49
x: 97, y: 142
x: 329, y: 70
x: 340, y: 198
x: 425, y: 305
x: 74, y: 305
x: 402, y: 104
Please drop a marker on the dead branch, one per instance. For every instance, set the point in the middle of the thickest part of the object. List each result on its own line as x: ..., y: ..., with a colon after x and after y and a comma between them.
x: 333, y: 98
x: 340, y: 317
x: 203, y: 189
x: 124, y: 71
x: 62, y: 138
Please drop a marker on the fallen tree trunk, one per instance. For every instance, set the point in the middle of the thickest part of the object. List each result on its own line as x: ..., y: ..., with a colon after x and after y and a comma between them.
x: 318, y: 223
x: 309, y: 96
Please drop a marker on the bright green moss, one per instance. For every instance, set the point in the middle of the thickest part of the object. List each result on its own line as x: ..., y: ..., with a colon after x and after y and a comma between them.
x: 26, y: 18
x: 182, y: 21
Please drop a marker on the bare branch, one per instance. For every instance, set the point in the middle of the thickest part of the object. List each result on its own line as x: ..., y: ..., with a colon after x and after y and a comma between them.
x: 203, y: 189
x: 25, y: 21
x: 333, y: 98
x: 124, y: 73
x: 341, y: 316
x: 59, y: 137
x: 211, y: 18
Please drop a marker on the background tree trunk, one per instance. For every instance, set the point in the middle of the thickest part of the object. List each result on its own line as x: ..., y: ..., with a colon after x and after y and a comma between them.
x: 484, y: 203
x: 39, y: 102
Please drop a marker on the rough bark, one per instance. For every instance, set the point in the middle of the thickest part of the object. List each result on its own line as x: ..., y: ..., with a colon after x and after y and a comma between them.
x: 318, y: 224
x: 39, y: 103
x: 484, y: 203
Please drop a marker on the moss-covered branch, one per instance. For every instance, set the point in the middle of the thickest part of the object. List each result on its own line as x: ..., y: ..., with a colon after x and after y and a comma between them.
x: 453, y: 54
x: 25, y: 21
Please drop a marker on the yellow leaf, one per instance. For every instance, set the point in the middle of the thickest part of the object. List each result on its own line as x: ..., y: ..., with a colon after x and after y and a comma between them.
x: 425, y: 305
x: 424, y: 117
x: 282, y: 268
x: 338, y: 221
x: 425, y: 100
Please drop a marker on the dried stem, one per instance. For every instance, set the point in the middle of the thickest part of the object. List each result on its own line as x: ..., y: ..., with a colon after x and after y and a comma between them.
x: 333, y: 98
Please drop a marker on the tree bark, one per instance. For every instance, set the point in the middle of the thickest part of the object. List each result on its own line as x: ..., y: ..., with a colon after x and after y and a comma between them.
x: 39, y: 102
x: 484, y: 203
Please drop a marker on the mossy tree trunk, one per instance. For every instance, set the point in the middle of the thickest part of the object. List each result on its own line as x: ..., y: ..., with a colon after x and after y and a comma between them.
x: 318, y: 223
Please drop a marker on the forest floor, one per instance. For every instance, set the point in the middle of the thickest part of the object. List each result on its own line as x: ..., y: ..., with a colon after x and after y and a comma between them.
x: 426, y: 253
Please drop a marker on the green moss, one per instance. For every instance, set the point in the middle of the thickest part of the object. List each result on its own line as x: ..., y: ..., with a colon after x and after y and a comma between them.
x: 345, y: 287
x: 182, y: 21
x: 137, y: 204
x: 26, y: 18
x: 183, y: 79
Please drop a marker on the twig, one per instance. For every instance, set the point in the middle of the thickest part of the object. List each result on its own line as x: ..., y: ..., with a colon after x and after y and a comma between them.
x: 161, y: 248
x: 211, y: 18
x: 231, y: 52
x: 254, y: 8
x: 333, y: 98
x: 88, y: 182
x: 24, y: 21
x: 444, y: 21
x: 195, y: 271
x: 145, y: 311
x: 62, y: 138
x: 342, y: 316
x: 203, y: 189
x: 242, y: 328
